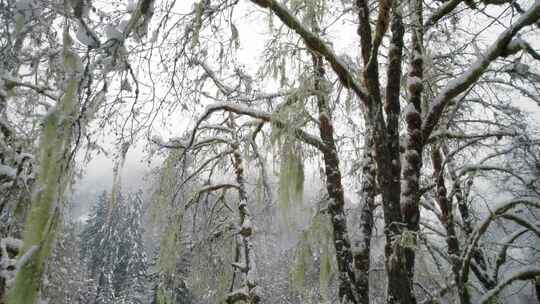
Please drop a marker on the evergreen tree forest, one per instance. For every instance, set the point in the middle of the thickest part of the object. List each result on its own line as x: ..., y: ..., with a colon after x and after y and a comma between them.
x: 269, y: 151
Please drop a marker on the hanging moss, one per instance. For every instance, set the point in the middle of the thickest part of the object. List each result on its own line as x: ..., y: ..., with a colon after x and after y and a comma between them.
x: 303, y: 259
x: 259, y: 191
x: 162, y: 197
x: 325, y: 269
x: 197, y: 23
x: 408, y: 239
x: 291, y: 176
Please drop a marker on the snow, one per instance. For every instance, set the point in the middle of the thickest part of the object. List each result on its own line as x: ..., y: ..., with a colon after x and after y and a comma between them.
x: 85, y: 38
x: 523, y: 273
x: 8, y: 171
x: 409, y: 108
x: 413, y: 82
x: 27, y: 256
x: 111, y: 32
x: 24, y: 8
x: 131, y: 6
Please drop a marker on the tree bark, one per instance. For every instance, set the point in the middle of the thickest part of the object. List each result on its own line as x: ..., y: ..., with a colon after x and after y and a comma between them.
x: 447, y: 220
x: 336, y: 207
x: 249, y: 291
x: 362, y: 253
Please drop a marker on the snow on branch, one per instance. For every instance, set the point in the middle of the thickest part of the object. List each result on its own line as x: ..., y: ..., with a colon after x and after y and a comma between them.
x: 476, y: 168
x: 176, y: 143
x: 316, y: 44
x: 519, y: 44
x: 209, y: 188
x: 442, y: 11
x: 501, y: 256
x: 437, y: 135
x: 263, y: 116
x: 228, y: 91
x: 525, y: 273
x: 498, y: 211
x: 14, y: 82
x: 465, y: 81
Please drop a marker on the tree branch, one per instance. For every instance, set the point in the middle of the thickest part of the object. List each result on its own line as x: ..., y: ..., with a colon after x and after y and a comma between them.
x: 461, y: 84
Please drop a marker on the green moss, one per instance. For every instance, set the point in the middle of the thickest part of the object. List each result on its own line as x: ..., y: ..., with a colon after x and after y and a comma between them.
x: 408, y: 239
x: 50, y: 186
x: 52, y: 180
x: 197, y: 23
x: 291, y: 176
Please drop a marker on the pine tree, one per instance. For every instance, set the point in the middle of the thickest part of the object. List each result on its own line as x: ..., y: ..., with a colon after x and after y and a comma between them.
x: 93, y: 235
x: 114, y: 251
x: 133, y: 255
x: 66, y: 281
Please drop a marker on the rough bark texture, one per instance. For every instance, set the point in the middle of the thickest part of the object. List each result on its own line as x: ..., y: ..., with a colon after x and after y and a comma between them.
x: 367, y: 205
x: 480, y: 267
x: 410, y: 194
x: 447, y: 220
x: 334, y: 187
x: 245, y: 258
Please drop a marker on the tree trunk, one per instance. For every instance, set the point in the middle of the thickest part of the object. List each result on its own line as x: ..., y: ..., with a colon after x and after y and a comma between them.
x: 447, y: 220
x: 334, y: 187
x: 363, y: 251
x: 249, y: 291
x: 55, y: 147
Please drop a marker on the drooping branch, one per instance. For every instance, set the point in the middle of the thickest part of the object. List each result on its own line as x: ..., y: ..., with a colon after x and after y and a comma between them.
x: 263, y: 116
x: 207, y: 189
x: 526, y: 273
x: 502, y: 255
x: 499, y: 210
x: 316, y: 44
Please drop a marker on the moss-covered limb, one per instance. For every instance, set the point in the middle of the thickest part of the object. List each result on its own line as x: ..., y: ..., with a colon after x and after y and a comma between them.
x: 262, y: 164
x: 117, y: 179
x: 50, y: 185
x: 524, y: 274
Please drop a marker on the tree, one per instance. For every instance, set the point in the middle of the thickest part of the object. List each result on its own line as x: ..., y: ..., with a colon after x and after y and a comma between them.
x: 114, y: 253
x: 418, y: 114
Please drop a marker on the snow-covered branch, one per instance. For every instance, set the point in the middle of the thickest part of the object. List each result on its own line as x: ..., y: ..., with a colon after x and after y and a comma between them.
x: 465, y: 81
x: 499, y: 210
x: 207, y: 189
x: 14, y: 82
x: 442, y: 11
x: 438, y: 135
x: 316, y: 44
x: 263, y: 116
x: 525, y: 273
